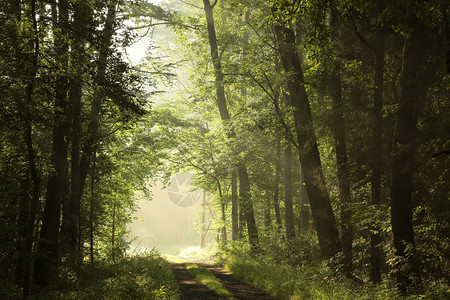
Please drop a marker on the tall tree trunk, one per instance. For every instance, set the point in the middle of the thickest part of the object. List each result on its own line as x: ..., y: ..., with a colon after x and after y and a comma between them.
x: 224, y: 220
x: 22, y: 221
x: 113, y: 232
x: 415, y: 78
x: 71, y: 211
x: 276, y: 194
x: 288, y: 193
x: 309, y: 153
x: 234, y: 207
x: 267, y: 214
x: 223, y: 230
x: 91, y: 211
x: 304, y: 204
x: 247, y: 206
x: 241, y: 209
x: 96, y: 108
x: 32, y: 169
x: 58, y: 185
x: 377, y: 162
x: 18, y: 206
x: 92, y: 135
x: 218, y: 73
x: 341, y: 151
x: 242, y: 219
x: 245, y: 198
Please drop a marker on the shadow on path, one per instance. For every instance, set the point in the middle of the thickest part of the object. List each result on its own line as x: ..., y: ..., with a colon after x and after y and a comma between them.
x: 190, y: 288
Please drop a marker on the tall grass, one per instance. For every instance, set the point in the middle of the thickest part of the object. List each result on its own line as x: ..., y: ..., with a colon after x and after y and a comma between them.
x: 147, y: 276
x: 208, y: 279
x: 312, y: 281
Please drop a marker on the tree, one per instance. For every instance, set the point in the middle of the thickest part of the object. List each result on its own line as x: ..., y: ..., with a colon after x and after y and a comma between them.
x: 244, y: 185
x: 288, y: 191
x: 58, y: 182
x: 415, y: 78
x: 71, y: 211
x: 309, y: 154
x: 339, y: 133
x: 35, y: 177
x: 375, y: 242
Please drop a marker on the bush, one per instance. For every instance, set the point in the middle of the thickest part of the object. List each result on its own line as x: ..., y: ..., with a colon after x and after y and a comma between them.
x: 147, y: 276
x: 312, y: 280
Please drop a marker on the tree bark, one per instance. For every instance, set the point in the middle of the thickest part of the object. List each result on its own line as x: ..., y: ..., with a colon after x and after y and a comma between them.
x: 276, y: 194
x: 218, y: 73
x: 92, y: 135
x: 247, y: 206
x: 244, y: 184
x: 96, y: 108
x: 304, y: 208
x: 415, y: 78
x: 309, y: 153
x: 234, y: 207
x: 341, y: 151
x: 223, y: 230
x: 18, y: 206
x: 113, y: 233
x: 267, y: 214
x: 58, y: 185
x: 242, y: 219
x: 288, y: 193
x: 375, y: 239
x: 22, y: 221
x: 91, y: 210
x: 32, y: 169
x: 71, y: 211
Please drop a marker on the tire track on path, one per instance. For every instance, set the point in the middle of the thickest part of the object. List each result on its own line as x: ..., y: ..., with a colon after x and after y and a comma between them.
x: 191, y: 288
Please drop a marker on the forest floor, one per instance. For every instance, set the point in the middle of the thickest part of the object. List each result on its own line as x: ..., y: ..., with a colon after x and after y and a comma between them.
x: 192, y: 288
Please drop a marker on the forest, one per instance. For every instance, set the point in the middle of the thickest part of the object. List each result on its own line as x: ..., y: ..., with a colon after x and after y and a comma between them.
x: 320, y: 130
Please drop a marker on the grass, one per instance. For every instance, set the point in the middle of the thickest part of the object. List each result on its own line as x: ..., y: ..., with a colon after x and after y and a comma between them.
x: 208, y: 279
x: 146, y: 276
x: 313, y: 282
x: 203, y: 275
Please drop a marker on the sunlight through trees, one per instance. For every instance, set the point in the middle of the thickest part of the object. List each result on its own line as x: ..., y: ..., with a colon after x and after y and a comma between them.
x: 318, y: 131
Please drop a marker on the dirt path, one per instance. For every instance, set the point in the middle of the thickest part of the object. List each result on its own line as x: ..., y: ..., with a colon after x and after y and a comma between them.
x: 191, y: 288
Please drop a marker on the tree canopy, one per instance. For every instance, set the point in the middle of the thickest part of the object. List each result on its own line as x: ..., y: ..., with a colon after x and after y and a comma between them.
x: 320, y: 130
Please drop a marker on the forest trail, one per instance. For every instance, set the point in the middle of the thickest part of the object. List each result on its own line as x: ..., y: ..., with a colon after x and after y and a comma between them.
x: 191, y: 288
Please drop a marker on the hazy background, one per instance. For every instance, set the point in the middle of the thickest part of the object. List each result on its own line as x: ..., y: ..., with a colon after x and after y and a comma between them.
x: 171, y: 221
x: 166, y: 223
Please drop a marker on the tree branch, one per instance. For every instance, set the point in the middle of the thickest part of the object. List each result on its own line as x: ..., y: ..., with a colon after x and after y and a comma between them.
x: 276, y: 105
x: 190, y: 4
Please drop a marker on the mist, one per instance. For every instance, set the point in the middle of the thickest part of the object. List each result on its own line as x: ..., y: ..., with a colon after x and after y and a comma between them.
x: 170, y: 222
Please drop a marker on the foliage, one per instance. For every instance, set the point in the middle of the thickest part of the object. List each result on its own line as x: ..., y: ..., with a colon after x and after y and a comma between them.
x: 147, y: 276
x: 311, y: 280
x: 92, y: 90
x: 255, y: 84
x: 130, y: 135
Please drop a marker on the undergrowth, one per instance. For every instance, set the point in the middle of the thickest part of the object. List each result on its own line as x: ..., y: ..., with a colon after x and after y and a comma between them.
x: 314, y: 280
x: 201, y: 274
x: 208, y: 279
x: 147, y: 276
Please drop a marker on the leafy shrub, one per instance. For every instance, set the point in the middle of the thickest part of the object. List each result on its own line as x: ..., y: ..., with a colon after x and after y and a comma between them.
x: 140, y: 277
x: 311, y: 281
